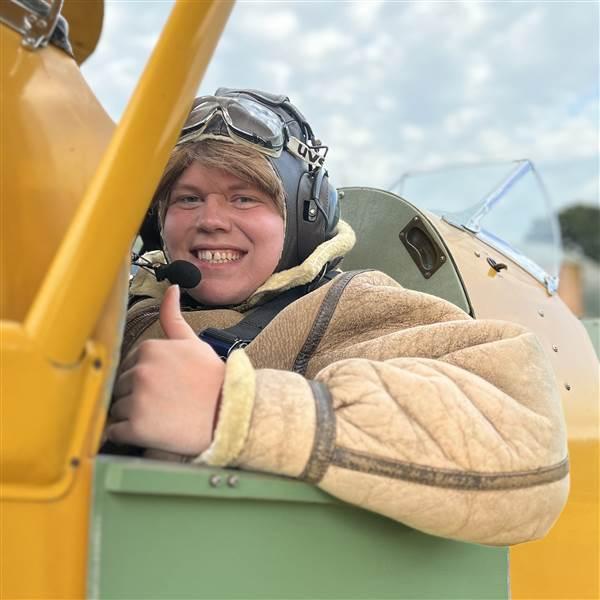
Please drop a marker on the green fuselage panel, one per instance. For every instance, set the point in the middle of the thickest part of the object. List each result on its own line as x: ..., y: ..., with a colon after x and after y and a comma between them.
x: 379, y: 219
x: 163, y: 530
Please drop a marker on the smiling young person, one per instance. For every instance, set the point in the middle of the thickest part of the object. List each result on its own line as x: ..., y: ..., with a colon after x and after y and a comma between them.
x: 227, y: 224
x: 390, y: 399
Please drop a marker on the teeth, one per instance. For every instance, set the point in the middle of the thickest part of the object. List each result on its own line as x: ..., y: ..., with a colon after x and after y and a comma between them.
x: 218, y: 256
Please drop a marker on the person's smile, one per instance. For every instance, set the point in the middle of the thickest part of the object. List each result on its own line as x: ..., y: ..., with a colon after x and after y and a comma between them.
x: 231, y: 230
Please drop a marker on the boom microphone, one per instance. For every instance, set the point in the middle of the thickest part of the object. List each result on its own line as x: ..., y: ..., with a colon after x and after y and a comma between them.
x: 180, y: 272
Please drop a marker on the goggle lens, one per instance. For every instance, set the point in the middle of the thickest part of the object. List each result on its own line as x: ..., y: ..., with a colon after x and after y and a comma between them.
x: 243, y: 117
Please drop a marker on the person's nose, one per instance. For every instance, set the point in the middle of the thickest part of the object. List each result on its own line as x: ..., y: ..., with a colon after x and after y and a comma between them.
x: 213, y: 214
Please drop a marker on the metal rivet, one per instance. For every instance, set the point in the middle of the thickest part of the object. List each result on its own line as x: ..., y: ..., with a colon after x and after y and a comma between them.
x: 312, y: 211
x: 567, y: 387
x: 555, y: 347
x: 402, y: 234
x: 97, y: 364
x: 442, y: 258
x: 541, y: 313
x: 341, y: 194
x: 416, y: 219
x: 477, y: 253
x: 233, y: 481
x: 215, y: 480
x: 427, y: 274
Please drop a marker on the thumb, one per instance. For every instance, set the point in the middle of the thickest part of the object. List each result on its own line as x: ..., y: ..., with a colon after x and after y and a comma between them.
x: 171, y: 321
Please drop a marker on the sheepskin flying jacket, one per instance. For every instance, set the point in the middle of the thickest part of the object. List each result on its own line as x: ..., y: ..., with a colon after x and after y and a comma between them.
x: 390, y: 399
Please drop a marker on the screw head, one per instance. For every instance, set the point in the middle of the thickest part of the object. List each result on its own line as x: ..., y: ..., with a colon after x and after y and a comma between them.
x: 555, y: 347
x: 312, y: 211
x: 477, y: 253
x: 341, y: 194
x: 541, y: 312
x: 215, y: 480
x: 568, y: 387
x: 442, y: 258
x: 233, y: 481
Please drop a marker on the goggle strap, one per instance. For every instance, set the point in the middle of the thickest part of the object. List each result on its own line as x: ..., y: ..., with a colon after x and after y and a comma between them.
x: 305, y: 152
x: 300, y: 118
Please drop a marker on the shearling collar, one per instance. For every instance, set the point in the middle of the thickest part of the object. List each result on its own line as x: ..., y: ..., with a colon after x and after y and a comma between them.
x: 145, y: 284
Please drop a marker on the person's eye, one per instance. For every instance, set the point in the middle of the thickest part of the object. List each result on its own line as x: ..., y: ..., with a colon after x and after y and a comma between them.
x: 245, y: 201
x: 187, y: 201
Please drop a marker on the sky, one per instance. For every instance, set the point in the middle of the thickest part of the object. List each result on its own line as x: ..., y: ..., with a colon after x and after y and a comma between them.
x: 396, y: 87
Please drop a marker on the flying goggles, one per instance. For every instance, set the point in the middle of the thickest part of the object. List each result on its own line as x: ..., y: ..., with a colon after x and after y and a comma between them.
x: 248, y: 121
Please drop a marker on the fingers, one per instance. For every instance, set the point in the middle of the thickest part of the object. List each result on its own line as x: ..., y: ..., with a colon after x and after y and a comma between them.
x: 122, y: 433
x: 121, y: 409
x: 124, y: 384
x: 173, y: 324
x: 130, y: 360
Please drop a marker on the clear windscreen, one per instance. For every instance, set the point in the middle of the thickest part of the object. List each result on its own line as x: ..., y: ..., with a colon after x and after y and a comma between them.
x: 504, y: 203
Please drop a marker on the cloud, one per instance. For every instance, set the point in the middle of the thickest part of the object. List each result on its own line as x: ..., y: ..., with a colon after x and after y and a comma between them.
x: 572, y: 138
x: 411, y: 133
x: 277, y: 71
x: 394, y: 86
x: 364, y: 15
x: 316, y: 45
x: 267, y: 24
x: 463, y: 119
x: 522, y: 38
x: 384, y: 102
x: 589, y: 190
x: 116, y: 65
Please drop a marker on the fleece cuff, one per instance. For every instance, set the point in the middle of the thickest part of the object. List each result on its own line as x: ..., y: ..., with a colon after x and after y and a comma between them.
x: 235, y: 412
x: 281, y: 435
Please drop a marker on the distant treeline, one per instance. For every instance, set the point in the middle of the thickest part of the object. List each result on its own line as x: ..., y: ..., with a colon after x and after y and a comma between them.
x: 580, y: 228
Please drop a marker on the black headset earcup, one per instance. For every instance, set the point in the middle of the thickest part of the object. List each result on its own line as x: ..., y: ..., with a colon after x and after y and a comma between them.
x: 317, y: 220
x: 330, y: 202
x: 328, y: 208
x: 309, y: 229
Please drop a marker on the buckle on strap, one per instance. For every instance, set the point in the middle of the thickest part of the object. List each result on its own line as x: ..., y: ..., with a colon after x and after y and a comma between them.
x: 222, y: 342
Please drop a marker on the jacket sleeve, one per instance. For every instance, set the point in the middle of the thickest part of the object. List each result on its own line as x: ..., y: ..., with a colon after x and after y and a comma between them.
x: 453, y: 428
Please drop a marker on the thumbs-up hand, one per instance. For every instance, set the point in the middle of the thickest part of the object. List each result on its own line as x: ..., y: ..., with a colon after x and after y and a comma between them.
x: 168, y: 390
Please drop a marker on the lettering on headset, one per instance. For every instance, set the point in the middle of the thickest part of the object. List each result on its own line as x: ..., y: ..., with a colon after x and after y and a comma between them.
x: 305, y: 152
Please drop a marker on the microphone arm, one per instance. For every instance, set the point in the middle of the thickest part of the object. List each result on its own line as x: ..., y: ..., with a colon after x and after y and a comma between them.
x: 180, y: 272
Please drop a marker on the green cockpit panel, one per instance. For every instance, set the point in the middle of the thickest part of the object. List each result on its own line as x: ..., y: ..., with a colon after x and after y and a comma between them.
x: 395, y: 237
x: 165, y: 530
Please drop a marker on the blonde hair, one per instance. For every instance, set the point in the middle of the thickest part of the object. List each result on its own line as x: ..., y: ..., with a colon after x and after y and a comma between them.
x: 238, y: 160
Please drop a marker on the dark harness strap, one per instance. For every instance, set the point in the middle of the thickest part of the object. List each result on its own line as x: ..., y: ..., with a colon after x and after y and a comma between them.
x: 225, y: 341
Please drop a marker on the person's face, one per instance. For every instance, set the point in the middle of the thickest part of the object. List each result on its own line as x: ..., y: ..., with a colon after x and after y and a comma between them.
x: 231, y: 230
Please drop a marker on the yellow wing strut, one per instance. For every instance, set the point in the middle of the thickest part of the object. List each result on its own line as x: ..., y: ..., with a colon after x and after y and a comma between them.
x: 76, y: 286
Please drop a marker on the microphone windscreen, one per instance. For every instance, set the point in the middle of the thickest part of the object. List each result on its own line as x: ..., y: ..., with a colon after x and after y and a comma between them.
x: 180, y: 272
